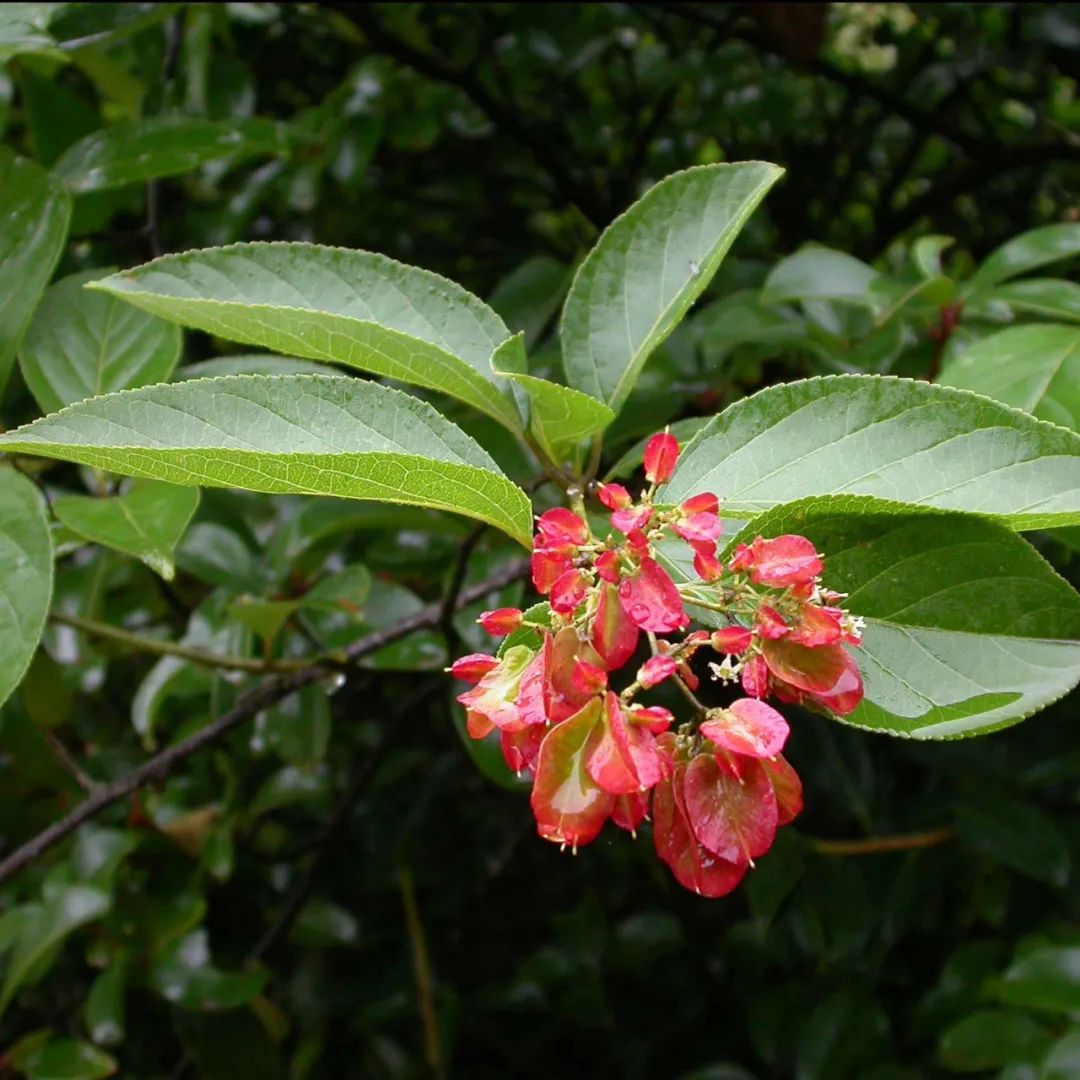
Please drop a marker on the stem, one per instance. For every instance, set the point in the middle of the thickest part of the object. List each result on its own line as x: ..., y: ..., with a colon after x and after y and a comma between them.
x: 875, y: 845
x: 421, y: 969
x: 685, y: 690
x: 160, y: 647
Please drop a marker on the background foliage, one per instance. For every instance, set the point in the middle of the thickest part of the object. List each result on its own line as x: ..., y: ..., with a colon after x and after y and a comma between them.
x: 335, y: 889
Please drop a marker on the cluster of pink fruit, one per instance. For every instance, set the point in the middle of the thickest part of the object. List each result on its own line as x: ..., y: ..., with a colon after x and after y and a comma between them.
x: 717, y: 785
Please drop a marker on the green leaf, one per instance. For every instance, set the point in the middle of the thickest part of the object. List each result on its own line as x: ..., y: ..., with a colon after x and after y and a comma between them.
x: 103, y: 1010
x: 1063, y: 1060
x: 1048, y: 297
x: 895, y: 439
x: 992, y: 1038
x: 80, y: 344
x: 69, y: 1059
x: 43, y: 927
x: 322, y: 303
x: 134, y: 151
x: 819, y: 273
x: 1026, y: 252
x: 147, y: 522
x: 648, y: 267
x: 1035, y: 368
x: 968, y: 629
x: 24, y: 29
x: 301, y: 434
x: 1045, y: 978
x: 185, y: 976
x: 26, y: 576
x: 926, y: 254
x: 35, y: 211
x: 559, y: 416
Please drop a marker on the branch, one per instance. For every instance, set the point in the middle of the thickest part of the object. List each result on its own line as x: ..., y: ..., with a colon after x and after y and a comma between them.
x: 161, y: 647
x: 255, y: 701
x: 875, y: 845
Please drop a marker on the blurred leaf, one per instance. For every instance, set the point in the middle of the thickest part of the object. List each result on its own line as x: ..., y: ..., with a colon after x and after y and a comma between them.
x: 81, y: 344
x: 26, y: 576
x: 69, y: 1059
x: 528, y: 297
x: 992, y: 1038
x: 184, y: 976
x: 1050, y: 298
x: 647, y: 269
x: 228, y: 1045
x: 252, y: 364
x: 1035, y: 368
x: 134, y: 151
x: 1063, y: 1061
x: 43, y: 928
x: 819, y: 273
x: 1026, y: 252
x: 103, y: 1010
x: 36, y: 213
x: 1046, y: 978
x: 1017, y: 834
x: 147, y: 522
x: 318, y: 436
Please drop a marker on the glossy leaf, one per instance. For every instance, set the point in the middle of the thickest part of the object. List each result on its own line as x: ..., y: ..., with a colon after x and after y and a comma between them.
x: 894, y: 439
x: 81, y: 344
x: 967, y: 629
x: 345, y: 307
x: 103, y: 1010
x: 1025, y: 252
x: 24, y: 29
x: 148, y: 522
x: 926, y: 253
x: 252, y: 364
x: 991, y: 1038
x: 301, y: 434
x: 648, y: 267
x: 26, y: 576
x: 134, y: 151
x: 1035, y: 368
x: 35, y: 211
x: 818, y: 273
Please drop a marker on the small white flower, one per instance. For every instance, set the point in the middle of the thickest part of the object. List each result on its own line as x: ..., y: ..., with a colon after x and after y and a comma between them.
x: 726, y: 672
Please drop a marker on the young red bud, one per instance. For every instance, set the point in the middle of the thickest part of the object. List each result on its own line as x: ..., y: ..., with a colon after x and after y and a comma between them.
x: 614, y: 496
x: 501, y: 621
x: 661, y: 453
x: 703, y: 528
x: 607, y: 566
x: 472, y: 668
x: 755, y: 677
x: 769, y: 623
x: 655, y: 670
x: 562, y: 526
x: 631, y: 520
x: 707, y: 566
x: 731, y: 639
x: 569, y: 591
x: 655, y: 718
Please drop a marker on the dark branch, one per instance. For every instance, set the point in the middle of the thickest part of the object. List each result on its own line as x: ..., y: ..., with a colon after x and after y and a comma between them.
x: 255, y: 701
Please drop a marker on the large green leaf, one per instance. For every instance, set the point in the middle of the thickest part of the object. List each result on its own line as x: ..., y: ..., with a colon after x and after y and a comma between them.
x: 26, y: 575
x: 648, y: 267
x: 892, y: 438
x: 1035, y: 368
x: 35, y: 212
x: 134, y: 151
x: 147, y: 522
x: 301, y: 434
x: 1045, y: 978
x: 24, y: 29
x: 1026, y: 252
x: 819, y: 273
x: 348, y: 307
x: 968, y: 629
x: 81, y: 343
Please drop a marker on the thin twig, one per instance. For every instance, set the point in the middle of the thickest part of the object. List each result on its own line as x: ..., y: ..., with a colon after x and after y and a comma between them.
x: 454, y: 586
x: 203, y: 657
x: 67, y: 760
x: 255, y: 701
x: 875, y: 845
x: 421, y: 969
